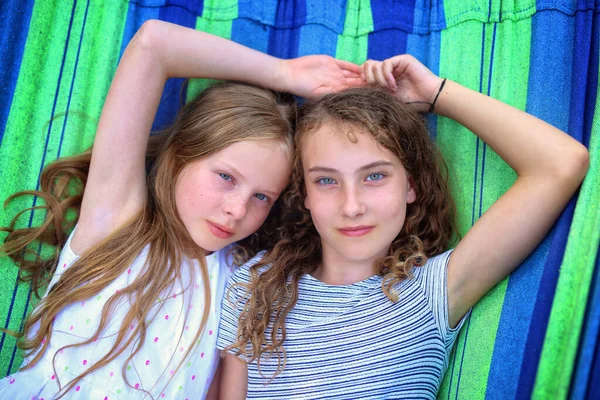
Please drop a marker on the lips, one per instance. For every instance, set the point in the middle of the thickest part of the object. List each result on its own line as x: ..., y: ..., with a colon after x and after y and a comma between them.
x: 355, y: 231
x: 220, y: 231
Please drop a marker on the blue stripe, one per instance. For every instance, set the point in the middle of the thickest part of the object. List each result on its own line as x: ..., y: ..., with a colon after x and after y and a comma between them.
x: 587, y: 375
x: 172, y: 96
x: 14, y: 294
x: 390, y: 35
x: 549, y: 85
x: 317, y: 39
x: 284, y: 37
x: 15, y: 16
x: 514, y: 326
x: 426, y: 48
x: 250, y: 33
x: 193, y: 7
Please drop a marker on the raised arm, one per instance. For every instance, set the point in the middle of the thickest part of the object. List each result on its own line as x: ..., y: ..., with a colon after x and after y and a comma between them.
x: 116, y: 187
x: 550, y: 166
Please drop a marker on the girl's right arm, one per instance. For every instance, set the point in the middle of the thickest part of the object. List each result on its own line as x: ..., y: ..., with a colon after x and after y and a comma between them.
x: 116, y: 185
x: 234, y: 378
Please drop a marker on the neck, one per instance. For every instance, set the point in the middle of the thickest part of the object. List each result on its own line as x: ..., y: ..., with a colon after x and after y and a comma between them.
x: 335, y: 269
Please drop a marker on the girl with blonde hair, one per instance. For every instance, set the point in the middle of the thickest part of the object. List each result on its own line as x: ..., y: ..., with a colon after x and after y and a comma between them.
x: 143, y: 227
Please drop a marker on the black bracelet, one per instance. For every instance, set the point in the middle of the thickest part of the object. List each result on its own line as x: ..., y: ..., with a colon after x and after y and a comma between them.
x: 437, y: 95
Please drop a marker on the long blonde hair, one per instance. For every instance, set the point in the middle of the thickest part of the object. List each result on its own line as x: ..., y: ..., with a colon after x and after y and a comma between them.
x: 221, y: 115
x: 428, y: 229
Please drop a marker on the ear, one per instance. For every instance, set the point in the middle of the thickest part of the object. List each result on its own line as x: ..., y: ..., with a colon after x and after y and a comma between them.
x: 306, y: 201
x: 411, y: 193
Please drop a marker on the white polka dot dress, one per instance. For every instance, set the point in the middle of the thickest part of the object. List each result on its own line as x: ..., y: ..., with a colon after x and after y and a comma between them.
x: 173, y: 324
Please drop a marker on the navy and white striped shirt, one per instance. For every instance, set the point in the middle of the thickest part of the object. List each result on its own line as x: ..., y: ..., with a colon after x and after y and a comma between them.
x: 352, y: 342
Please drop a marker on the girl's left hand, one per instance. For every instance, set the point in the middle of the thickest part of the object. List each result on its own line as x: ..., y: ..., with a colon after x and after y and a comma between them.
x: 318, y: 75
x: 406, y: 77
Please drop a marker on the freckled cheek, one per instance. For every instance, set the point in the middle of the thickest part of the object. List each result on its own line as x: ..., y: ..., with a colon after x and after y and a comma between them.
x: 253, y: 223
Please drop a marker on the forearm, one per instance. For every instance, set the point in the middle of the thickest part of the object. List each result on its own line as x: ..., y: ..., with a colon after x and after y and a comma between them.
x: 529, y: 145
x: 188, y: 53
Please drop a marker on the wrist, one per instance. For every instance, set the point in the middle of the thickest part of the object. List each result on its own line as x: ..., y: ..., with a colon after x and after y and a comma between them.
x: 441, y: 105
x: 281, y: 81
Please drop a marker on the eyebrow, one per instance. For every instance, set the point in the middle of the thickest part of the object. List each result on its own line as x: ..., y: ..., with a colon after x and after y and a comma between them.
x: 381, y: 163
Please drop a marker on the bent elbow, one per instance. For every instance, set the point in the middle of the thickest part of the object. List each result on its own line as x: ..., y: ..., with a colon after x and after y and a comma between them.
x: 579, y: 163
x: 572, y: 166
x: 148, y: 34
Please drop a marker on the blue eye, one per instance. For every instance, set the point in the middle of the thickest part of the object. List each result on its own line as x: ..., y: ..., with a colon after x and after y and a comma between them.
x: 225, y: 177
x: 375, y: 177
x: 262, y: 197
x: 326, y: 181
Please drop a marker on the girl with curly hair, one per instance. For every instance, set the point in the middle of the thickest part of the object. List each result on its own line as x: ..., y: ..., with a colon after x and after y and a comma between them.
x: 361, y: 297
x: 135, y: 287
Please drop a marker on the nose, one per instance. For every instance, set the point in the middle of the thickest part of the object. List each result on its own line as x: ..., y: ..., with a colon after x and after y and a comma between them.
x: 236, y: 207
x: 352, y: 203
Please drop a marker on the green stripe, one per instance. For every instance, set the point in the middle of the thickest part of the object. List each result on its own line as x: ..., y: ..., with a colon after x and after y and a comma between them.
x: 217, y: 19
x: 353, y: 42
x: 460, y: 60
x: 458, y: 11
x: 568, y: 309
x: 22, y: 149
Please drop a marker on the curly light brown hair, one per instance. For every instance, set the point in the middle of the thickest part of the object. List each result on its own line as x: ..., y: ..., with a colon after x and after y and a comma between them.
x: 428, y: 230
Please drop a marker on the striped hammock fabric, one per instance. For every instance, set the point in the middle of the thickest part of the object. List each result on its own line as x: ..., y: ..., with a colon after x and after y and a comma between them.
x: 536, y: 334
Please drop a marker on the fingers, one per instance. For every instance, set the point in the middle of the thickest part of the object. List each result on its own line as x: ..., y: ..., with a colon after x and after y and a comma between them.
x: 348, y: 66
x: 379, y: 73
x: 354, y: 82
x: 350, y: 74
x: 367, y: 72
x: 387, y: 67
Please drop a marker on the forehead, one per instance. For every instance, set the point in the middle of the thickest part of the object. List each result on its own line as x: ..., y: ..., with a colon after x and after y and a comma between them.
x: 346, y: 143
x: 265, y: 163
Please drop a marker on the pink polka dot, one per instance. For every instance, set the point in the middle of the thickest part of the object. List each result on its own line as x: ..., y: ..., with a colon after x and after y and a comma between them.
x: 116, y: 291
x: 197, y: 286
x: 53, y: 377
x: 12, y: 381
x: 210, y: 332
x: 202, y: 355
x: 187, y: 327
x: 71, y: 328
x: 137, y: 385
x: 131, y: 327
x: 166, y: 317
x: 105, y: 397
x: 44, y: 341
x: 156, y: 339
x: 112, y: 373
x: 181, y: 349
x: 172, y: 371
x: 84, y: 362
x: 193, y: 377
x: 191, y: 306
x: 174, y: 296
x: 162, y: 395
x: 82, y: 303
x: 62, y: 351
x: 129, y: 271
x: 147, y: 362
x: 64, y: 265
x: 78, y: 388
